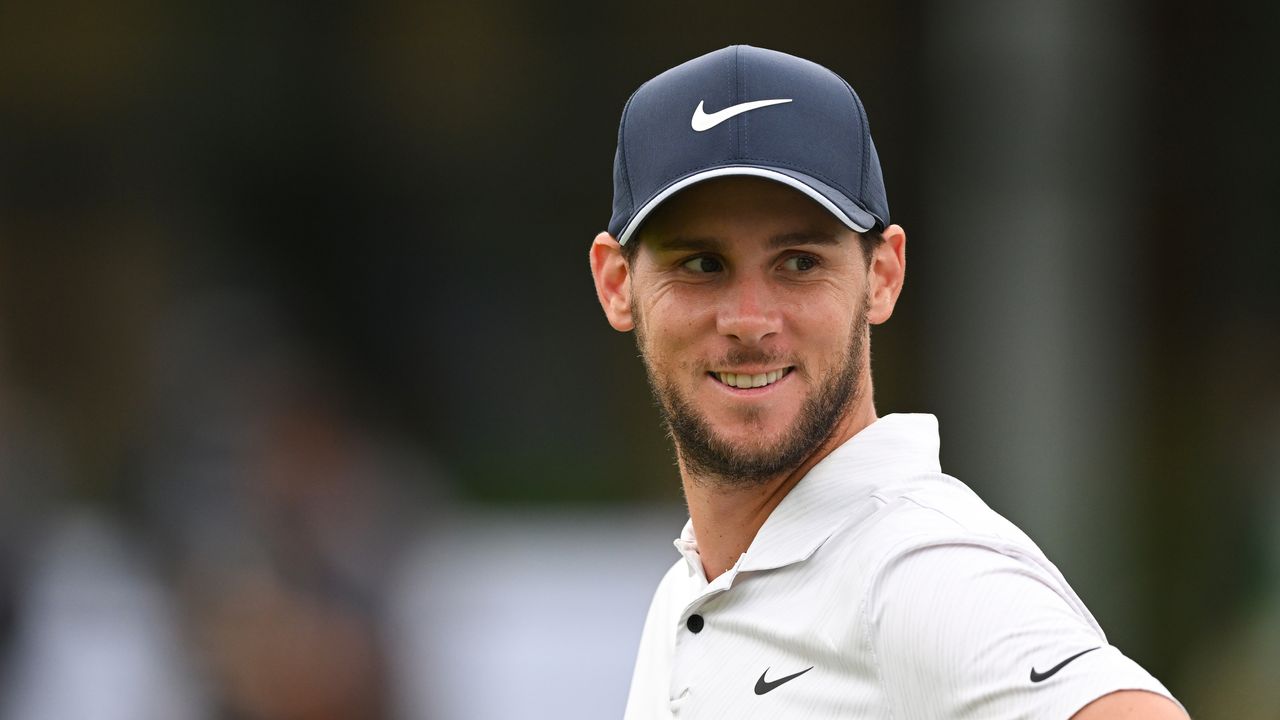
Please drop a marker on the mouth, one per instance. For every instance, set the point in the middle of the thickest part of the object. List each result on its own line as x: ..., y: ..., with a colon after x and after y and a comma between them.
x: 750, y: 381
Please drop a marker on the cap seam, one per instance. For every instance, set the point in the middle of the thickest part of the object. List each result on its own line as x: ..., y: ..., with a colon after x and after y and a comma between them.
x: 737, y: 98
x: 866, y: 132
x: 622, y: 140
x: 744, y: 129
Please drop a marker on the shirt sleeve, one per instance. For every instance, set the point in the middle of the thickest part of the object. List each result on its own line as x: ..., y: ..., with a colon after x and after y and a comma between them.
x: 963, y: 630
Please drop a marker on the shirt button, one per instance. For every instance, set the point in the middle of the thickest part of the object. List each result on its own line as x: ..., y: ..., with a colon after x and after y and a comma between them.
x: 694, y: 623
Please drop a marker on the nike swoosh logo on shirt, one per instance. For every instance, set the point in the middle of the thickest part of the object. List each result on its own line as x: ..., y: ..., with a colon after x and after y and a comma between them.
x: 702, y: 121
x: 763, y: 687
x: 1039, y: 676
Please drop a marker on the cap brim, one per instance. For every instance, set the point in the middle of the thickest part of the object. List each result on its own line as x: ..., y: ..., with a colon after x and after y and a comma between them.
x: 834, y: 201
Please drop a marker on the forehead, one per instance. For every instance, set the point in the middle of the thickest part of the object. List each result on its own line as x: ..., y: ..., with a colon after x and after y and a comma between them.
x: 739, y: 207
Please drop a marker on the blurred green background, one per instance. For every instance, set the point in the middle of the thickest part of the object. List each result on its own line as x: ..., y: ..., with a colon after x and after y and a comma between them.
x: 288, y: 289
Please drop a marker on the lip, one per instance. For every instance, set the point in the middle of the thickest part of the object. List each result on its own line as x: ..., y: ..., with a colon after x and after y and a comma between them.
x: 752, y: 392
x: 751, y: 369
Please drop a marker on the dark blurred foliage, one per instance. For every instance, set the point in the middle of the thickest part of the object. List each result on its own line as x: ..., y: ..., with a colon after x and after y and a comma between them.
x: 413, y: 184
x: 350, y: 229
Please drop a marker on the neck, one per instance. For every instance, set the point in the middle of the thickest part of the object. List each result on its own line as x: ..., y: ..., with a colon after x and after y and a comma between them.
x: 727, y: 517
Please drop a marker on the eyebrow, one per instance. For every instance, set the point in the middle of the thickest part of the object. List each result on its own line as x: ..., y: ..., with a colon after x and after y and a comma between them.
x: 811, y: 237
x: 711, y: 243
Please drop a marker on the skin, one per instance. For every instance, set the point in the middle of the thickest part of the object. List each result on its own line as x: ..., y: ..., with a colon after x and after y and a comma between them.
x: 1131, y: 705
x: 747, y: 275
x: 792, y: 277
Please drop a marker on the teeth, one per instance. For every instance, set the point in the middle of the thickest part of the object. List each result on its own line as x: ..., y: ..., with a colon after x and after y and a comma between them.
x: 744, y: 381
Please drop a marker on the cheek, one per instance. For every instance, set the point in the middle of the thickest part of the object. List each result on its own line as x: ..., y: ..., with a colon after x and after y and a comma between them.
x: 675, y: 321
x: 671, y: 345
x: 825, y: 328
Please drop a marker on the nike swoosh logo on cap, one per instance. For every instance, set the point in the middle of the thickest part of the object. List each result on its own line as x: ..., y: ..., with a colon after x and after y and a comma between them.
x: 702, y: 121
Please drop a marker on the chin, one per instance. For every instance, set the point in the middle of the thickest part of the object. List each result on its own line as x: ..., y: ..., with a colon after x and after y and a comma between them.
x: 752, y: 438
x: 751, y: 424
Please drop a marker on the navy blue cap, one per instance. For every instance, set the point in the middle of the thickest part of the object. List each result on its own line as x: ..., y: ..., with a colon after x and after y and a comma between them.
x: 744, y: 110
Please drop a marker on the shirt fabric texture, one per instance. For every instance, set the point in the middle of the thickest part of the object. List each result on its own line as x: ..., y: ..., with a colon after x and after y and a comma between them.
x: 893, y: 588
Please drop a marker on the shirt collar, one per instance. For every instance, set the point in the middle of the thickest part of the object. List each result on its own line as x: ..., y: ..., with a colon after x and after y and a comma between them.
x: 894, y: 448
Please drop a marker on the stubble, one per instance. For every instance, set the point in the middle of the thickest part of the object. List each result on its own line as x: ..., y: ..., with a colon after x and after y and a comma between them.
x: 707, y: 455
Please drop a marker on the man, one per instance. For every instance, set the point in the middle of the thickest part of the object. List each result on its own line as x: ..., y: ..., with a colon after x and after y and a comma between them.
x: 829, y: 568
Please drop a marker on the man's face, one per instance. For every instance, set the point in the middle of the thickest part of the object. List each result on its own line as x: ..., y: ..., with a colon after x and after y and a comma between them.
x: 750, y: 306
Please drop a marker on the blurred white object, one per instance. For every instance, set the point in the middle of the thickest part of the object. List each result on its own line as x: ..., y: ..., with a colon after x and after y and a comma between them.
x: 96, y: 637
x: 533, y: 614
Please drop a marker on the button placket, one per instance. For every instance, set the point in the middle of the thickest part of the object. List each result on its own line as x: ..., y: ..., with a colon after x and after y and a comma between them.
x: 690, y: 653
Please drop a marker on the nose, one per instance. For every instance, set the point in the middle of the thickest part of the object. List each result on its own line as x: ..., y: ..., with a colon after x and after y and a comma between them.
x: 748, y: 312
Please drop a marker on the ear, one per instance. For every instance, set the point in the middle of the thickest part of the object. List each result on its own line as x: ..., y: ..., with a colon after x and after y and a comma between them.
x: 886, y: 273
x: 613, y: 281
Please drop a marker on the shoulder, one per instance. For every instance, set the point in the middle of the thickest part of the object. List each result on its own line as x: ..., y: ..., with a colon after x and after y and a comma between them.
x: 932, y: 511
x: 934, y: 530
x: 960, y: 600
x: 938, y: 505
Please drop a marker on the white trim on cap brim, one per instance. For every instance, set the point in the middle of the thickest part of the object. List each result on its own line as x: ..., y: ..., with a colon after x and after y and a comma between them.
x: 774, y: 175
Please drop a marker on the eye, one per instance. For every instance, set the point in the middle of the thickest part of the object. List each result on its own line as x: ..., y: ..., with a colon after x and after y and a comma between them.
x: 800, y: 263
x: 703, y: 264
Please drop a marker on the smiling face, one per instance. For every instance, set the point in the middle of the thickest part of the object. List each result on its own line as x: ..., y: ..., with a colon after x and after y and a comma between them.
x: 750, y: 304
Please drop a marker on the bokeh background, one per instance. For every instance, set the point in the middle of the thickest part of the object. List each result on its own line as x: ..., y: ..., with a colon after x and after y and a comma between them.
x: 307, y: 409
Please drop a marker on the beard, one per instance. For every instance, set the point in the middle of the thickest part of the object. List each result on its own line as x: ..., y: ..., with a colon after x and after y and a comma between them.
x: 706, y: 454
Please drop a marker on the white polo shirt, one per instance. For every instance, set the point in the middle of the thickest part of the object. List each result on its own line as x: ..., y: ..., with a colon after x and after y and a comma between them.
x: 878, y: 588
